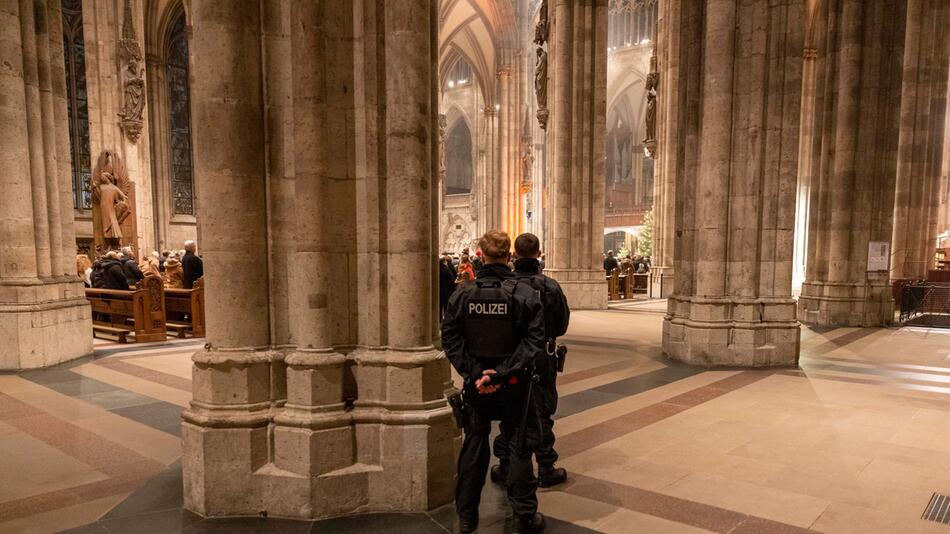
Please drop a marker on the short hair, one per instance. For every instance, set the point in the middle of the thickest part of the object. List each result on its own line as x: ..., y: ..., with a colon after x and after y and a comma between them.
x: 610, y: 253
x: 495, y: 244
x: 127, y: 251
x: 527, y: 245
x: 190, y: 246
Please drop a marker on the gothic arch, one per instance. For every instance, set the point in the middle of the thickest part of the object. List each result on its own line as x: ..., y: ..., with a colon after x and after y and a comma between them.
x: 167, y: 34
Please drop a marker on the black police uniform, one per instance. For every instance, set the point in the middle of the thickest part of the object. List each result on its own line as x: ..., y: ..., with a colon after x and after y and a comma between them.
x: 557, y: 315
x: 495, y: 323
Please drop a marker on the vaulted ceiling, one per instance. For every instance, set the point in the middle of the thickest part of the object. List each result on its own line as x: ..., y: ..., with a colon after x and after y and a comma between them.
x: 477, y: 30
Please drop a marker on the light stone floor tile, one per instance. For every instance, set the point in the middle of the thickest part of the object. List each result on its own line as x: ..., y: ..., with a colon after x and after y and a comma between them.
x: 753, y: 499
x: 139, y: 385
x: 145, y: 440
x: 627, y: 521
x: 636, y: 369
x: 31, y: 467
x: 177, y: 364
x: 63, y: 518
x: 854, y: 519
x: 576, y: 510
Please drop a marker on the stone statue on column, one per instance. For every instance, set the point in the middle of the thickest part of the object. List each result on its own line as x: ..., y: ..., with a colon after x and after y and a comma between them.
x: 541, y: 28
x: 541, y: 87
x: 653, y: 80
x: 442, y: 125
x: 541, y: 66
x: 133, y: 79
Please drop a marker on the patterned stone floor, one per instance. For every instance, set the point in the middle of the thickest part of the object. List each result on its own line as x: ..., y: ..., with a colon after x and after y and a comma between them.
x: 854, y: 440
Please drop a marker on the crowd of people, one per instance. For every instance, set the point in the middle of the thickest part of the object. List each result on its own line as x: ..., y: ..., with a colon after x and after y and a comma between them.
x: 637, y: 264
x: 455, y: 270
x: 119, y: 269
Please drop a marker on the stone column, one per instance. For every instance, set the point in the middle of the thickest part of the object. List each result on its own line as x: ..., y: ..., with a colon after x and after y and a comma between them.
x: 922, y: 116
x: 226, y: 430
x: 332, y: 185
x: 857, y: 96
x: 735, y: 215
x: 577, y: 92
x: 669, y: 45
x: 44, y: 316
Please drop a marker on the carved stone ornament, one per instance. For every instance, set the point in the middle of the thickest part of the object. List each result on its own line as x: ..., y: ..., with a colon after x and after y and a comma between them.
x: 133, y: 79
x: 541, y: 28
x: 541, y: 87
x: 442, y: 126
x: 652, y: 82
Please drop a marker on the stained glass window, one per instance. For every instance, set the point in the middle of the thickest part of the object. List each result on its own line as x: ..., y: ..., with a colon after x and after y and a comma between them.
x: 176, y: 65
x: 458, y: 159
x: 77, y: 98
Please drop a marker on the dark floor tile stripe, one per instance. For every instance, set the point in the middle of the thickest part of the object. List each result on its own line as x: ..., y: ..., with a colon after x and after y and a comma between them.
x: 674, y: 509
x: 165, y: 379
x: 839, y: 341
x: 604, y: 394
x: 598, y: 434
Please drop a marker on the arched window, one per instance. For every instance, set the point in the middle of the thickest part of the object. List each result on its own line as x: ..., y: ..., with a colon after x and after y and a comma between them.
x: 74, y: 49
x: 458, y: 159
x: 176, y: 65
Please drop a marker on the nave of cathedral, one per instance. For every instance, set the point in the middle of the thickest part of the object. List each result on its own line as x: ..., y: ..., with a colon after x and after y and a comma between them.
x: 270, y: 204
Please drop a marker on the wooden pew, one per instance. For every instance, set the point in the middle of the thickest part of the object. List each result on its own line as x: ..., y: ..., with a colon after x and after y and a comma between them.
x: 613, y: 284
x: 185, y: 310
x: 139, y: 311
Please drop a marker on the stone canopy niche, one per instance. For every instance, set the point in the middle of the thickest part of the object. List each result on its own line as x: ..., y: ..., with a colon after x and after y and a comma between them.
x: 735, y: 140
x: 319, y: 392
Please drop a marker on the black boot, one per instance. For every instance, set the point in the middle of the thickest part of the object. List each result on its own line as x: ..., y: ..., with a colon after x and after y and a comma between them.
x: 499, y: 474
x: 528, y: 525
x: 468, y: 525
x: 551, y: 476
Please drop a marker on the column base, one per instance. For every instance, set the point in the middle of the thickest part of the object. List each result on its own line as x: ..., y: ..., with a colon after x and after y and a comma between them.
x: 732, y: 332
x: 661, y: 282
x: 327, y: 451
x: 847, y: 304
x: 585, y: 289
x: 43, y: 323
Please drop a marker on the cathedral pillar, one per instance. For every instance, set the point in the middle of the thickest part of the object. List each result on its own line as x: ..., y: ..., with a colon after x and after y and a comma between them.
x: 731, y: 303
x: 320, y: 392
x: 922, y: 117
x: 577, y: 92
x: 853, y: 162
x: 669, y: 87
x: 44, y: 316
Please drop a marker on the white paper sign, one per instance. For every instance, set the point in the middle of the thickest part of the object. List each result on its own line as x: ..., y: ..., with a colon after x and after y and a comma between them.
x: 878, y: 255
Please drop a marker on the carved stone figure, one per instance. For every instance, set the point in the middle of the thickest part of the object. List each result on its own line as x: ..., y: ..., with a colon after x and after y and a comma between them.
x: 541, y: 78
x: 541, y: 28
x: 527, y: 161
x: 112, y: 202
x: 134, y: 101
x: 653, y: 80
x: 133, y: 79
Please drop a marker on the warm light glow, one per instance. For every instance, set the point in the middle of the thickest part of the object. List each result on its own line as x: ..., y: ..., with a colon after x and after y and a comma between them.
x: 645, y: 41
x: 451, y: 83
x: 497, y: 106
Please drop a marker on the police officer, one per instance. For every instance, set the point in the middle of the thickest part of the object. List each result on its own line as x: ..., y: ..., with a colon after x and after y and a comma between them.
x: 492, y: 333
x: 557, y: 315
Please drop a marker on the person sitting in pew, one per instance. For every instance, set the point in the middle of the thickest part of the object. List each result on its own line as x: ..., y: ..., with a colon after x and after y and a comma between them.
x: 108, y: 273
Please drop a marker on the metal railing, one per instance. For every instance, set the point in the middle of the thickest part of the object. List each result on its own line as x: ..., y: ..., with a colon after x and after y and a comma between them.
x: 925, y: 304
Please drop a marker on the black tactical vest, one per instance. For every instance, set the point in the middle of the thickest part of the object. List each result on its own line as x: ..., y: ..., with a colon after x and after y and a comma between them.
x: 489, y: 321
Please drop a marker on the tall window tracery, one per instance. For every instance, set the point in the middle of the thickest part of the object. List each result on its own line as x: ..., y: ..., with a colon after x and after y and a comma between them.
x: 182, y: 170
x: 74, y: 49
x: 458, y: 160
x: 630, y: 23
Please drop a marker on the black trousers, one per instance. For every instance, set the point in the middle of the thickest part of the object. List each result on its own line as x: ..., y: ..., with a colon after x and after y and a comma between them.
x: 506, y: 406
x: 547, y: 405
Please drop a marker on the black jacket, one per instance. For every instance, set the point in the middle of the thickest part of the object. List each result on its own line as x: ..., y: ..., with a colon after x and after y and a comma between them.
x: 191, y: 269
x: 610, y: 263
x: 109, y: 275
x: 446, y: 282
x: 557, y: 314
x: 529, y: 326
x: 133, y: 274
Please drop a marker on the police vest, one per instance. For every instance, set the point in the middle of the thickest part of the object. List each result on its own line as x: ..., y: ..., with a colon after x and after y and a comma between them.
x: 489, y: 321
